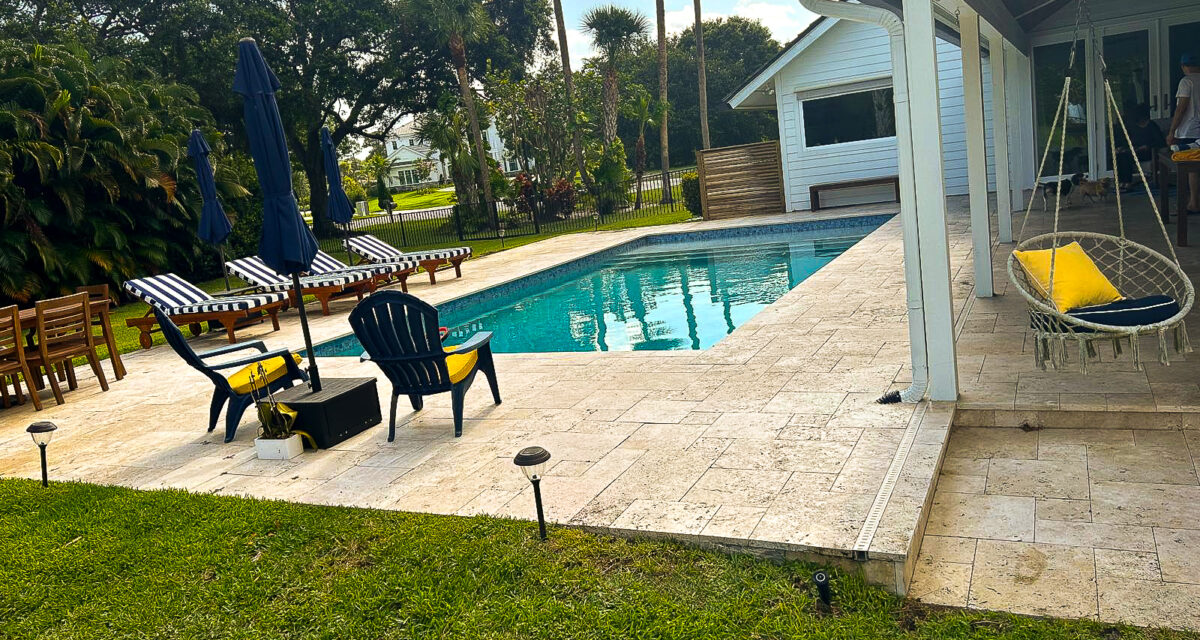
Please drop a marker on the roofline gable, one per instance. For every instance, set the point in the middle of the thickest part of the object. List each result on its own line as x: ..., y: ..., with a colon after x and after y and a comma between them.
x: 790, y: 52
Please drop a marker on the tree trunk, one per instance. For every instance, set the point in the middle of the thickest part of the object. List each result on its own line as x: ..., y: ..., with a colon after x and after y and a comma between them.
x: 458, y: 53
x: 318, y: 191
x: 569, y: 82
x: 609, y: 125
x: 639, y: 166
x: 664, y: 154
x: 703, y: 77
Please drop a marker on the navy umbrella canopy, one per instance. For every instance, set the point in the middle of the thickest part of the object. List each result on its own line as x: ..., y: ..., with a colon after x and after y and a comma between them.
x: 287, y: 244
x: 339, y: 208
x: 214, y: 224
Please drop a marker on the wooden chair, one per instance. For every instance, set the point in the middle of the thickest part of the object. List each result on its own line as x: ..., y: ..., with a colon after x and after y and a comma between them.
x: 377, y: 251
x: 64, y: 332
x: 100, y: 292
x: 12, y: 358
x: 400, y: 333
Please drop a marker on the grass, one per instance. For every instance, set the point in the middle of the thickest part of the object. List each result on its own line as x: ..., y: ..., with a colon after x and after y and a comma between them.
x: 420, y: 199
x: 83, y: 561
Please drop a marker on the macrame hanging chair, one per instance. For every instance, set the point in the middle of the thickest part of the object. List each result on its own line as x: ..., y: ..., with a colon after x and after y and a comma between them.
x: 1135, y: 270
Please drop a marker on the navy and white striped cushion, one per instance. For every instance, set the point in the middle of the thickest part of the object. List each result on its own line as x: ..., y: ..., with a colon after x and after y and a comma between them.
x: 376, y: 250
x: 440, y: 254
x: 325, y: 263
x: 175, y: 296
x: 256, y: 272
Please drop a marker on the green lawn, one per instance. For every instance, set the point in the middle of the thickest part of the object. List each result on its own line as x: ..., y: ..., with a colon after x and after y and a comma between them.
x: 83, y: 561
x: 421, y: 199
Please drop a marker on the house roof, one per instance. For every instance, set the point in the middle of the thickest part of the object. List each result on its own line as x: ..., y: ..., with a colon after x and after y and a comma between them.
x: 739, y: 96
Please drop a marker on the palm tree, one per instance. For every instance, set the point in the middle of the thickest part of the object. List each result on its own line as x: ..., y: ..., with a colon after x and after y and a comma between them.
x: 569, y: 81
x: 642, y: 113
x: 459, y: 22
x: 702, y: 75
x: 614, y: 30
x: 663, y: 152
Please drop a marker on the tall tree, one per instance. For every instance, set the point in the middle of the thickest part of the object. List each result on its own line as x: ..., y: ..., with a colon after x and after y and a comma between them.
x: 615, y: 31
x: 458, y: 22
x: 569, y: 81
x: 641, y: 112
x: 664, y: 149
x: 702, y: 74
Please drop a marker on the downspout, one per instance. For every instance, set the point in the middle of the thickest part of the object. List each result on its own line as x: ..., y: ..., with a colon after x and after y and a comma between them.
x: 908, y: 210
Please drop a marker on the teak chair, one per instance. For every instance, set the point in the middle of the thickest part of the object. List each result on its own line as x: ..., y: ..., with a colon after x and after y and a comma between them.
x: 64, y: 332
x: 186, y: 304
x: 100, y: 292
x: 12, y: 358
x: 323, y: 287
x: 237, y: 389
x: 379, y: 252
x: 325, y: 264
x: 399, y: 332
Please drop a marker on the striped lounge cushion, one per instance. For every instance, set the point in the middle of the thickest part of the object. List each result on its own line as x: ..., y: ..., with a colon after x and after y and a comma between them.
x: 440, y: 254
x: 175, y: 296
x: 376, y: 250
x: 325, y: 263
x: 256, y: 272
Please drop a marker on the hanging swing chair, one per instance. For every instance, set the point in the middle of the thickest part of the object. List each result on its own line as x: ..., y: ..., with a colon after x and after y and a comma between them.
x: 1142, y: 291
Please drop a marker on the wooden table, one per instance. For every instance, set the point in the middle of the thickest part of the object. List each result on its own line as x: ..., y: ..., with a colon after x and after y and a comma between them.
x: 99, y: 309
x: 1167, y: 166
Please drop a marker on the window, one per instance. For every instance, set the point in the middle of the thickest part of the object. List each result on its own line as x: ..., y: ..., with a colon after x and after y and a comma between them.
x: 860, y: 111
x: 394, y: 145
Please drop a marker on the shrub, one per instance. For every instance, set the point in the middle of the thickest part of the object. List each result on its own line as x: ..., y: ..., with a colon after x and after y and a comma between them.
x: 560, y: 199
x: 690, y: 184
x: 355, y: 192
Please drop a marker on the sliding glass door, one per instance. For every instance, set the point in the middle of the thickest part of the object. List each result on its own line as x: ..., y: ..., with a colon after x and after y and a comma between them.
x: 1050, y: 66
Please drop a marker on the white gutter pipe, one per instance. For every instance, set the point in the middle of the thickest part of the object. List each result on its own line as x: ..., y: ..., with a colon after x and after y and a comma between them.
x: 904, y: 149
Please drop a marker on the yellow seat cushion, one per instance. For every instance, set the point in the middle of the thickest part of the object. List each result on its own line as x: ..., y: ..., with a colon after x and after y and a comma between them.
x: 275, y: 368
x: 459, y: 365
x: 1078, y: 282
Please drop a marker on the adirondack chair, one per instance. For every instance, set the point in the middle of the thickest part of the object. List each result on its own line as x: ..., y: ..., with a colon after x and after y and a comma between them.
x: 236, y: 390
x: 399, y: 333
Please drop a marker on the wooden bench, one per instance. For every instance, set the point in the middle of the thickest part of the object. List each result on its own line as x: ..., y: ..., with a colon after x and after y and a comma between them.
x: 1165, y: 167
x: 814, y: 191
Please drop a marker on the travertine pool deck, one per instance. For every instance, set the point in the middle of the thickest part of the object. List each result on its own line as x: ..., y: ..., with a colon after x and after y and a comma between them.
x: 769, y: 442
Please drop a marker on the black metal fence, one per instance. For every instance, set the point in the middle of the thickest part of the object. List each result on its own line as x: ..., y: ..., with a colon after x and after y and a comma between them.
x: 532, y: 213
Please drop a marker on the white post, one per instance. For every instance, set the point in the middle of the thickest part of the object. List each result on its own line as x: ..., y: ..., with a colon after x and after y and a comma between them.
x: 977, y: 179
x: 1004, y: 201
x: 921, y: 60
x: 1019, y: 77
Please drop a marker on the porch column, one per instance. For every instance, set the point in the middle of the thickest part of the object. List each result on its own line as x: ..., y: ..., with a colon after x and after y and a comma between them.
x: 1004, y: 208
x: 977, y: 181
x: 921, y: 63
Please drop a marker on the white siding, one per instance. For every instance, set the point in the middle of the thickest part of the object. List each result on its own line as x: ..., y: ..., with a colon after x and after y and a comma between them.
x: 851, y: 52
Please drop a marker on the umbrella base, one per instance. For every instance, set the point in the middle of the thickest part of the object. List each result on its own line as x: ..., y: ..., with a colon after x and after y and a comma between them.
x: 343, y: 408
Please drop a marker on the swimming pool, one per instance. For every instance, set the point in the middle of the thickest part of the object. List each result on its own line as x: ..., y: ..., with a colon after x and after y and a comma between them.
x: 661, y: 292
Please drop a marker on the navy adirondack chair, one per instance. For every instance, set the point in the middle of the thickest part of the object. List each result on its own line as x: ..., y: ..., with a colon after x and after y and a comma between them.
x: 236, y: 390
x: 399, y: 332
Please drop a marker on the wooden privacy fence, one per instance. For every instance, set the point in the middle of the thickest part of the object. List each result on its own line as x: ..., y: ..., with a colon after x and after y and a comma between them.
x: 742, y: 180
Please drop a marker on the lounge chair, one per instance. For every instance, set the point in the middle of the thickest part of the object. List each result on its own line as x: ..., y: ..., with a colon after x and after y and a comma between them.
x: 323, y: 287
x: 399, y: 332
x: 186, y: 304
x: 325, y: 264
x: 377, y: 251
x: 236, y: 390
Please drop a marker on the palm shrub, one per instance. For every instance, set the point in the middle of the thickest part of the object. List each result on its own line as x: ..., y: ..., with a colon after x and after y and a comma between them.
x: 95, y: 184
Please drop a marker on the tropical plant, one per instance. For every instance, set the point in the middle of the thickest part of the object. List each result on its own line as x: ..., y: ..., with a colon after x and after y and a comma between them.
x: 458, y: 23
x: 95, y: 184
x: 689, y: 184
x: 445, y: 130
x: 569, y: 94
x: 615, y: 31
x: 611, y: 189
x: 642, y: 113
x: 664, y: 147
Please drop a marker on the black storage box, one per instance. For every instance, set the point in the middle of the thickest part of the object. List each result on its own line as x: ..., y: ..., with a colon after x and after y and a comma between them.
x: 345, y: 407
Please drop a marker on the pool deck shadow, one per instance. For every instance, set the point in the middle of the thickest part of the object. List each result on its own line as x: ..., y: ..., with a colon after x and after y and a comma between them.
x: 770, y: 442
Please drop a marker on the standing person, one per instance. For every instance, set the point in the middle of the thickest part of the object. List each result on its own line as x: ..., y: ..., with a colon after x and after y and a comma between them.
x: 1185, y: 126
x: 1146, y: 138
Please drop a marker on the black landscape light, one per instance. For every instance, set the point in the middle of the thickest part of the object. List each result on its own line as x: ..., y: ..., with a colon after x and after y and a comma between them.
x: 42, y: 432
x: 532, y: 461
x: 821, y: 579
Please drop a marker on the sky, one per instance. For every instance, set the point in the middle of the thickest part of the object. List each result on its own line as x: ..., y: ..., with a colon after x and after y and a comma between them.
x: 785, y: 18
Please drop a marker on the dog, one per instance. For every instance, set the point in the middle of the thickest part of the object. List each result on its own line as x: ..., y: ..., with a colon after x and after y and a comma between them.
x: 1066, y: 187
x: 1095, y: 190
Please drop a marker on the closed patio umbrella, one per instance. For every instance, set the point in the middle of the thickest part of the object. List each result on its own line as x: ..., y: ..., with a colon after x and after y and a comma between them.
x: 338, y: 205
x: 287, y: 244
x: 214, y: 224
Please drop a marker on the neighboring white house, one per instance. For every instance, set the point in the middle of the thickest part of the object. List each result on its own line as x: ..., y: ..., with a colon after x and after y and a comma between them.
x: 405, y: 149
x: 832, y: 90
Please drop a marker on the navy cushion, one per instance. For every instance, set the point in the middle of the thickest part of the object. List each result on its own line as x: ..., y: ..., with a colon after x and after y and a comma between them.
x: 1131, y: 312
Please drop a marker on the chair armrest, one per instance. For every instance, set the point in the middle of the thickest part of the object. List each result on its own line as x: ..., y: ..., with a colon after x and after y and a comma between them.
x: 230, y: 348
x: 241, y: 362
x: 474, y: 342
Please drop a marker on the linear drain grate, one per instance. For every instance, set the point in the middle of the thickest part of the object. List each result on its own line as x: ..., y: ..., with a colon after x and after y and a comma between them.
x: 875, y: 514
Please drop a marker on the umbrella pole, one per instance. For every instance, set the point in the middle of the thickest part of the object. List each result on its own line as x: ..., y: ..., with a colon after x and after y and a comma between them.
x: 346, y: 228
x: 224, y: 269
x: 314, y: 378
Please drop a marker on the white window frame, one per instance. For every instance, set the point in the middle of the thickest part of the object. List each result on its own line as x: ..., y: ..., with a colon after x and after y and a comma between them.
x: 833, y: 91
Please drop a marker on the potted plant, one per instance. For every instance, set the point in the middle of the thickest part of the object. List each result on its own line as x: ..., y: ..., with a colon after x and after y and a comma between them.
x: 276, y: 440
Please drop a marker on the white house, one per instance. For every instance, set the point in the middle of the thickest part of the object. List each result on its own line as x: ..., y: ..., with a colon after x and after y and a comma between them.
x: 832, y: 90
x: 405, y: 149
x: 993, y: 105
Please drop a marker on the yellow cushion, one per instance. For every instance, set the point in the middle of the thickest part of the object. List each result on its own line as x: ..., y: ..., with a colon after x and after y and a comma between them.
x: 1077, y: 280
x: 275, y: 368
x: 461, y: 364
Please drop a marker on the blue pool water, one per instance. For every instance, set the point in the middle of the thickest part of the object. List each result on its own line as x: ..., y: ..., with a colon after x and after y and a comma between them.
x: 679, y: 291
